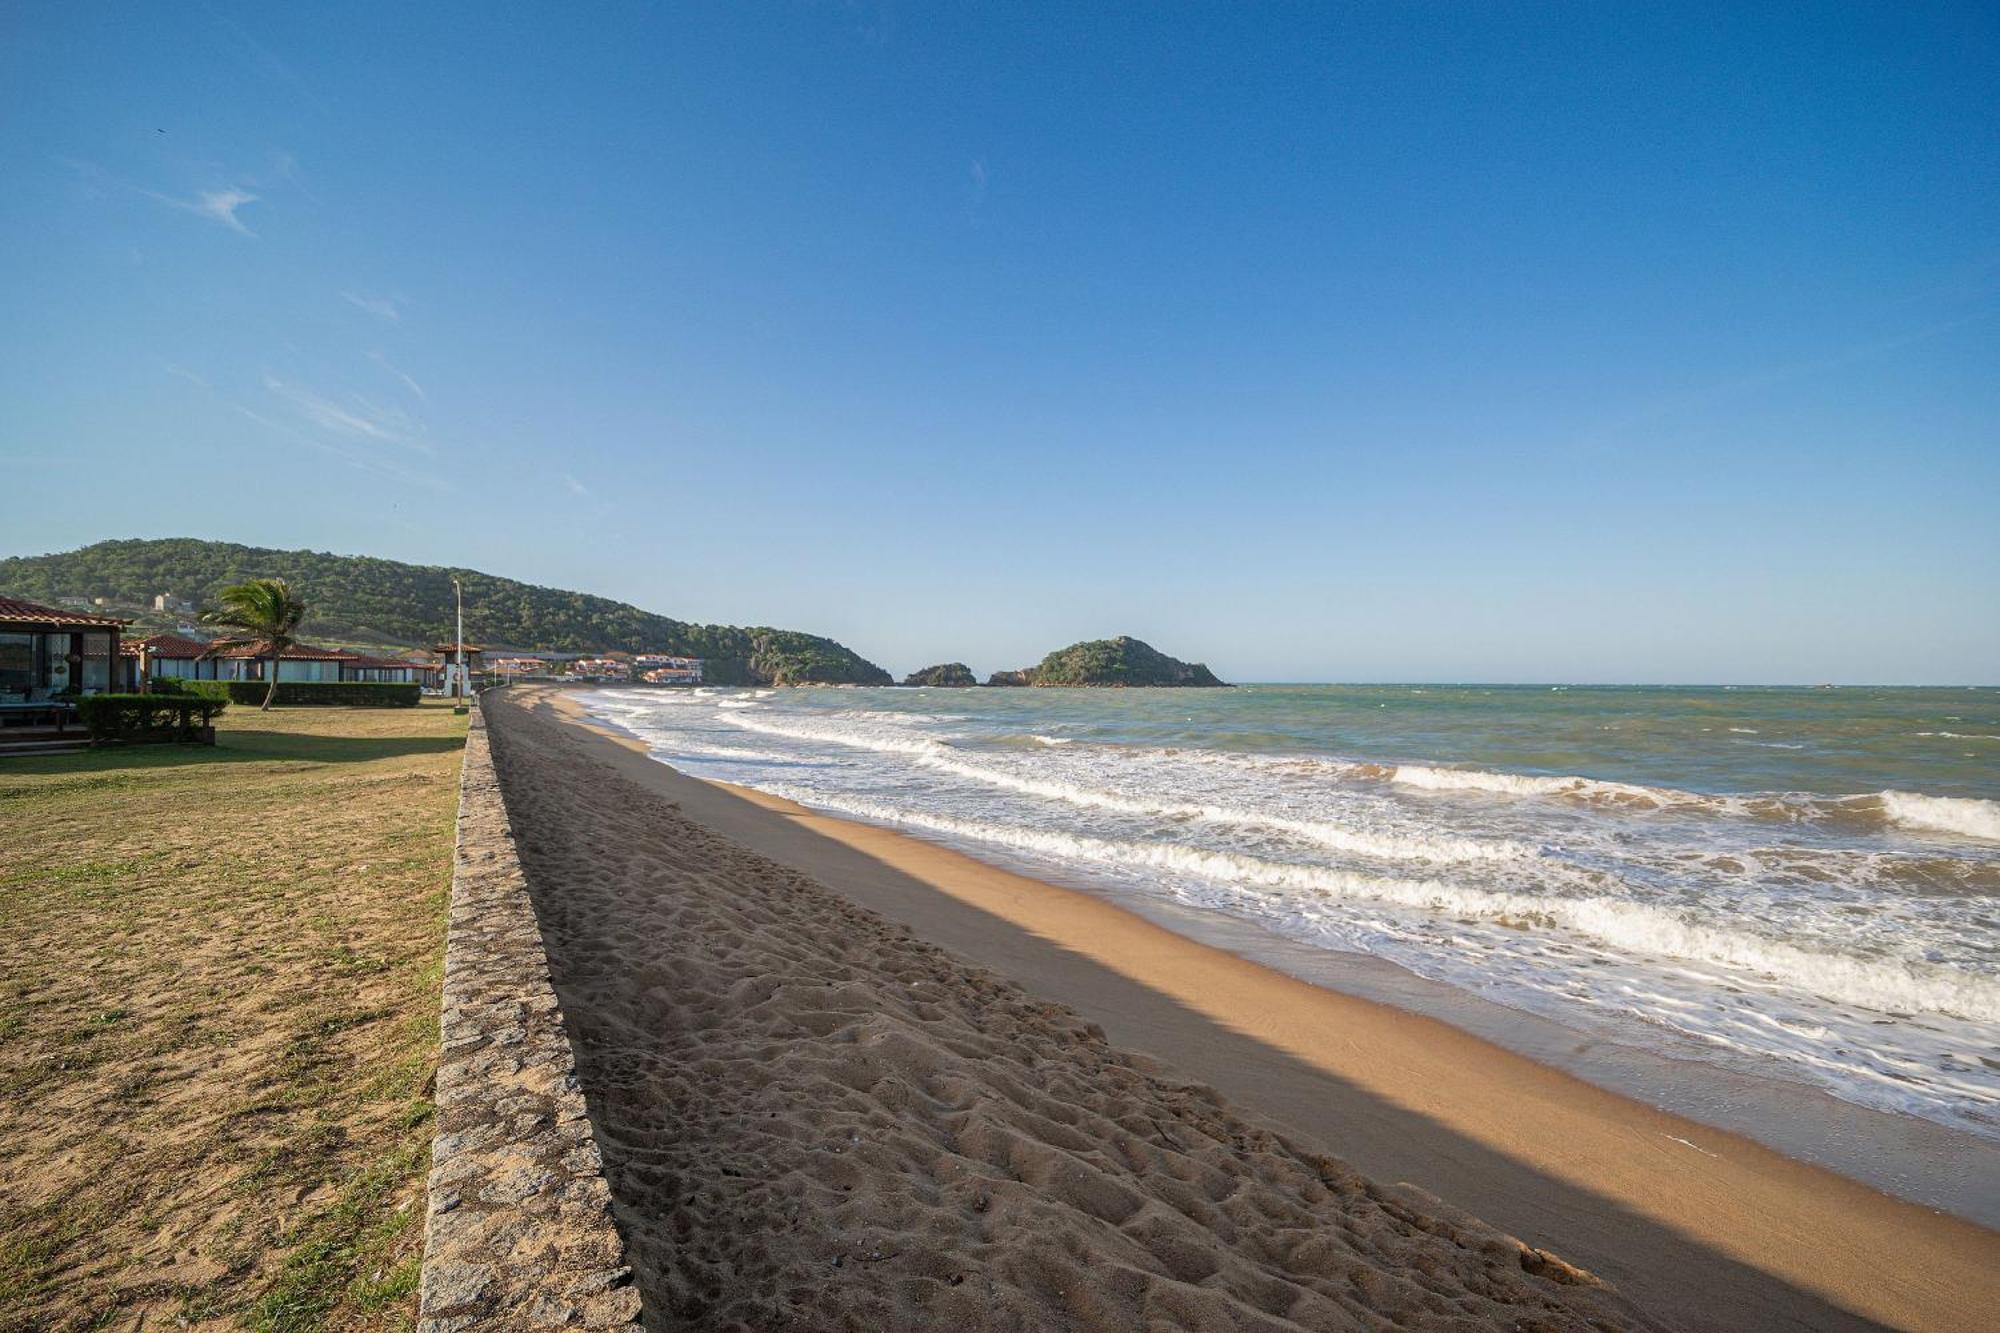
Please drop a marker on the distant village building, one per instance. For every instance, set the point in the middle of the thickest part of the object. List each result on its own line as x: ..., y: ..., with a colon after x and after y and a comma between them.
x: 519, y: 666
x: 166, y: 601
x: 666, y: 669
x: 600, y: 668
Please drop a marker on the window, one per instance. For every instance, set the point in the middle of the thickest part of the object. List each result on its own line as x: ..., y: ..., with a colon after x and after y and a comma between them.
x: 96, y: 676
x: 19, y: 656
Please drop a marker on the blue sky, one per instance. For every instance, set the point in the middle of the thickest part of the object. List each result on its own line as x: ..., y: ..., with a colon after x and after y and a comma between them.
x: 1502, y: 342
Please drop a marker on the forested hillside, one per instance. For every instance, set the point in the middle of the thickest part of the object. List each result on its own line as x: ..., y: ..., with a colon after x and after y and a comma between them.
x: 361, y: 599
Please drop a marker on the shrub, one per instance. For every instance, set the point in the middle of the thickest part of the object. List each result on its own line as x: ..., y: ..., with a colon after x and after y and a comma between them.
x: 149, y: 717
x: 338, y: 693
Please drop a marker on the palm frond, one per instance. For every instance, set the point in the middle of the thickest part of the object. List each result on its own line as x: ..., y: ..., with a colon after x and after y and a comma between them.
x: 262, y: 608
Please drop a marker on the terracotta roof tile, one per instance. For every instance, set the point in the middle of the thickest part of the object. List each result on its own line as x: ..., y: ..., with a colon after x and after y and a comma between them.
x: 298, y: 652
x: 166, y: 645
x: 15, y: 611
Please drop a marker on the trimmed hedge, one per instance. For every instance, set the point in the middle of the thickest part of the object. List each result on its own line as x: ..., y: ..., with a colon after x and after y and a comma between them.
x: 337, y: 693
x: 150, y: 717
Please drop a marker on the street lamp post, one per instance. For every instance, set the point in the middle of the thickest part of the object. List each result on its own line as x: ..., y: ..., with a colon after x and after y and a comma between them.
x: 458, y: 644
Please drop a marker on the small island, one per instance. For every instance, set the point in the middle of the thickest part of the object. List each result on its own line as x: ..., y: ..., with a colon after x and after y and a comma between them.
x: 946, y: 675
x: 1110, y: 663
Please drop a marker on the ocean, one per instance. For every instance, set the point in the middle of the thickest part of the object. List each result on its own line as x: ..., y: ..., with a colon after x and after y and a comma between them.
x: 1796, y: 884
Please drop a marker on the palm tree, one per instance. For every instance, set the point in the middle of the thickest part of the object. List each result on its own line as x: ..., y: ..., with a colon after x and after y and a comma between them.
x: 268, y: 612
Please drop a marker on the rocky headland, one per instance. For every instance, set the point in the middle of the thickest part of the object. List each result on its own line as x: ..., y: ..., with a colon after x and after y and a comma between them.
x: 1105, y: 663
x: 948, y: 675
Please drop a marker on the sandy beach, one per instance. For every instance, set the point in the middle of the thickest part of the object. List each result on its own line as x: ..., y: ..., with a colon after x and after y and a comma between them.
x: 846, y: 1078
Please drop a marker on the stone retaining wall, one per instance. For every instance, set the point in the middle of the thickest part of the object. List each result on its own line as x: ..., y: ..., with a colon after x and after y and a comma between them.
x: 519, y: 1231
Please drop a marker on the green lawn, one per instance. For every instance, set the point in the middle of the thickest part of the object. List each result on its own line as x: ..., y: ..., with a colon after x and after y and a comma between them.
x: 218, y: 1022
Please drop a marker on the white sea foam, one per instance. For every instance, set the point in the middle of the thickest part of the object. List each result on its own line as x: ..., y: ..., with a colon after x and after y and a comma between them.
x: 1946, y: 814
x: 705, y: 751
x: 1530, y: 784
x: 1943, y: 814
x: 935, y: 754
x: 1888, y: 985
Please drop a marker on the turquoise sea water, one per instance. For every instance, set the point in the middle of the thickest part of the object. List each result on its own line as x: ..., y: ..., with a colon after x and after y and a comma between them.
x: 1800, y: 883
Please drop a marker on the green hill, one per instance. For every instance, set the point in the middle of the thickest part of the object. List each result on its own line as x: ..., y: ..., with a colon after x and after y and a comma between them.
x: 1109, y: 662
x: 359, y: 599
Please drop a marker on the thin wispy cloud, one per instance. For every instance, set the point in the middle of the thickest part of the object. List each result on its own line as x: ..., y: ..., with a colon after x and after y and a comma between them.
x: 575, y: 487
x: 285, y: 170
x: 223, y: 206
x: 1755, y: 382
x: 216, y: 205
x: 356, y: 417
x: 401, y: 377
x: 184, y: 373
x: 265, y: 62
x: 1971, y: 281
x: 975, y: 189
x: 347, y: 457
x: 382, y: 307
x: 359, y: 462
x: 1837, y: 360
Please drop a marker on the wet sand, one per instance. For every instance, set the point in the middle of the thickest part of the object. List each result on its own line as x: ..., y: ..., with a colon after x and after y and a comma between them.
x: 1696, y: 1226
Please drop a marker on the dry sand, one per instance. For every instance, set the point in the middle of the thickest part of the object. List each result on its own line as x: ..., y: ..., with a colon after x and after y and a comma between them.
x: 777, y: 998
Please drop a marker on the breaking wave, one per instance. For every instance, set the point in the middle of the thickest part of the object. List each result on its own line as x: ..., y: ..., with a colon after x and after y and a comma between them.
x: 941, y: 757
x: 1944, y: 814
x: 1635, y: 928
x: 1910, y: 810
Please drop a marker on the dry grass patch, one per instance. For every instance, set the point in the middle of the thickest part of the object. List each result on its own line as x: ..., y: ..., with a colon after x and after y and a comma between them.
x: 218, y: 1022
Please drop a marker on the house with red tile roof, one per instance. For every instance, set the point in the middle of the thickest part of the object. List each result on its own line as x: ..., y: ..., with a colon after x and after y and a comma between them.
x: 238, y: 660
x: 395, y: 670
x: 47, y: 651
x: 158, y: 656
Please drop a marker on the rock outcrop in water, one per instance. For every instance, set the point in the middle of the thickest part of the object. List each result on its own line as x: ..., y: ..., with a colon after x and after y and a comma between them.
x: 949, y: 675
x: 1100, y: 663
